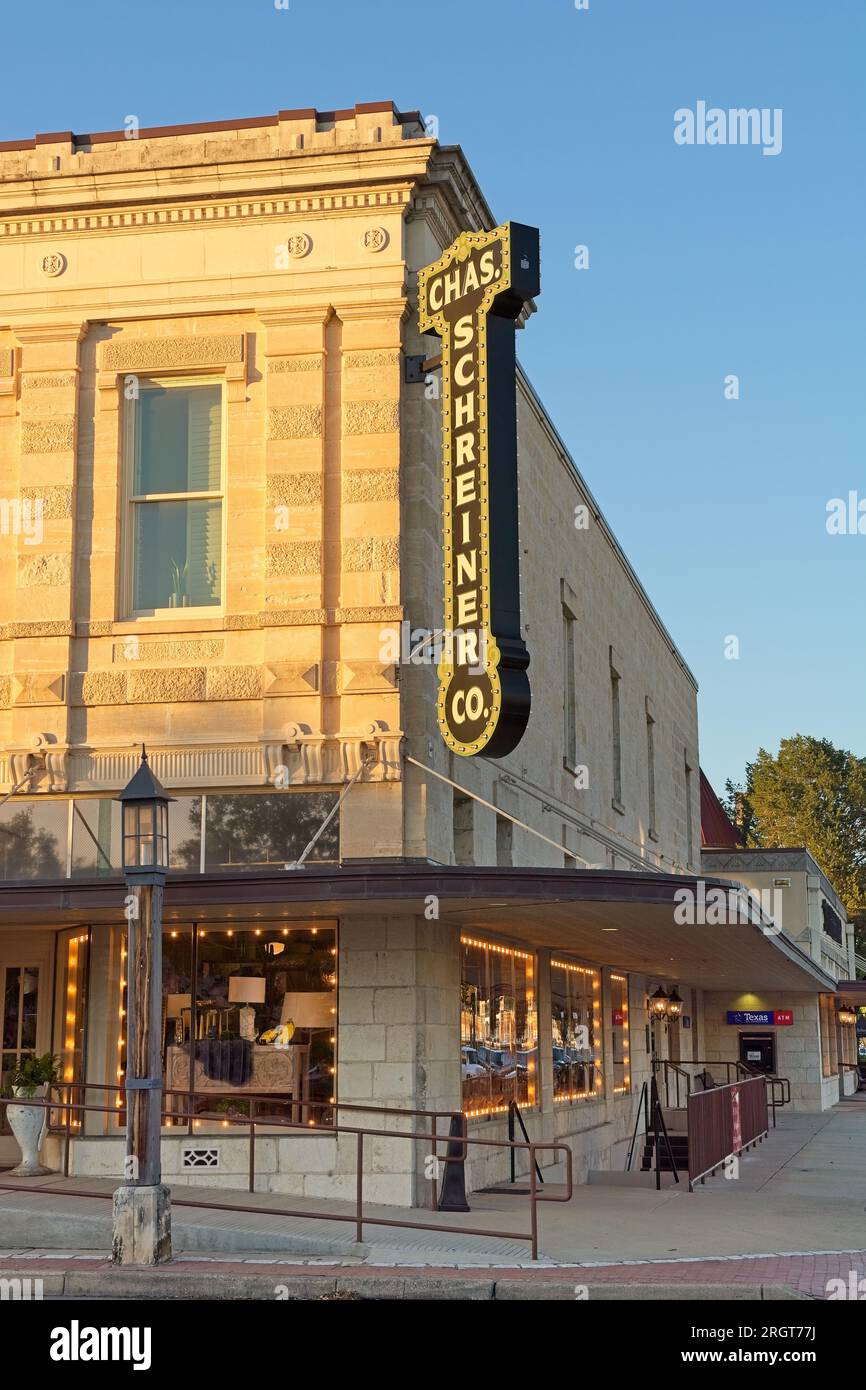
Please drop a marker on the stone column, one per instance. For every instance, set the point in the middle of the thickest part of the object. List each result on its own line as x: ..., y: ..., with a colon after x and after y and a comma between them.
x: 398, y: 1041
x: 42, y: 602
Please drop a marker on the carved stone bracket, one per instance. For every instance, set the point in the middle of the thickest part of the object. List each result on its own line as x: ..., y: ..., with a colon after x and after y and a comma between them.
x: 44, y: 760
x: 378, y: 747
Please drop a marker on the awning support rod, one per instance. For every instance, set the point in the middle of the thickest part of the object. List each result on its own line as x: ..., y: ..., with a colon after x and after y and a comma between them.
x: 26, y: 778
x: 584, y: 863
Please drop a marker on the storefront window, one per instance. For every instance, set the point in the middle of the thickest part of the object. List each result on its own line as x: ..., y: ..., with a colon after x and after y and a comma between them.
x: 33, y: 837
x: 243, y: 831
x: 70, y: 1015
x: 261, y: 1021
x: 619, y: 1022
x: 106, y: 1029
x: 264, y: 1023
x: 829, y: 1053
x: 575, y: 1002
x: 253, y: 832
x: 498, y: 1027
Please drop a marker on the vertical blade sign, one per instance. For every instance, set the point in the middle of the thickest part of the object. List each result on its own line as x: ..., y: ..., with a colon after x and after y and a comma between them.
x: 471, y: 298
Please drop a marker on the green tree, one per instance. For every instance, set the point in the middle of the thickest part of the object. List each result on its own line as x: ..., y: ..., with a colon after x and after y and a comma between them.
x: 814, y: 794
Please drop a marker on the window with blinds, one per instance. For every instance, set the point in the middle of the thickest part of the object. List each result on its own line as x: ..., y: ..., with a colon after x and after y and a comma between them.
x: 176, y: 500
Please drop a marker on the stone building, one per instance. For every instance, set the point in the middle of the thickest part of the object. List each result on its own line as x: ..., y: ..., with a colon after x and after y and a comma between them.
x: 221, y: 517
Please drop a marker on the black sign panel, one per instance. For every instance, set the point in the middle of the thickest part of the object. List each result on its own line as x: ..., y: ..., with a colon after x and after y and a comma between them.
x: 471, y: 297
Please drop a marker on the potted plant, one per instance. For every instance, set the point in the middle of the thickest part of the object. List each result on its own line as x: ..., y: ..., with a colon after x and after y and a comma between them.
x: 29, y: 1122
x: 179, y: 598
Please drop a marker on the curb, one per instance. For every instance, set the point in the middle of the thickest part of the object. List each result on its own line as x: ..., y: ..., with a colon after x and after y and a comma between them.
x: 119, y: 1284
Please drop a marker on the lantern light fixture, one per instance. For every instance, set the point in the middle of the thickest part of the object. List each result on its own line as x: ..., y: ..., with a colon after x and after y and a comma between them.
x: 144, y: 806
x: 675, y: 1003
x: 658, y: 1003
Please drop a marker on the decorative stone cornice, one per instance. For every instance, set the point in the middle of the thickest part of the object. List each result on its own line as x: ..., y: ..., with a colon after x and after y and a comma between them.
x: 74, y: 330
x: 301, y: 757
x: 128, y: 219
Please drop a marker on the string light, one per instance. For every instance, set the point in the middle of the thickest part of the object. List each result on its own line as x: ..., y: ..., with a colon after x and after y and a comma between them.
x: 626, y: 1065
x: 498, y: 950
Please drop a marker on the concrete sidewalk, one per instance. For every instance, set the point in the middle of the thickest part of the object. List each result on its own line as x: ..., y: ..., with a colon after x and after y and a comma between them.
x: 802, y: 1191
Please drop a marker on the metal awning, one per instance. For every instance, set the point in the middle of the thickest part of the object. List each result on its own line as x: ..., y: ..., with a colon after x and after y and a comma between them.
x: 622, y: 919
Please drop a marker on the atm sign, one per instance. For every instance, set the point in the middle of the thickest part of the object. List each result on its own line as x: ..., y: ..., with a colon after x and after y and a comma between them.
x: 768, y: 1018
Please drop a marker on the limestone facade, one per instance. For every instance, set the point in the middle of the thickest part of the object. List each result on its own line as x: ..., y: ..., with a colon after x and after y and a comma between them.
x: 276, y: 258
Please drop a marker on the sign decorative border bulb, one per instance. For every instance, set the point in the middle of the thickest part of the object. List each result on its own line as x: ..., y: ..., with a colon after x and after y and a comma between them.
x: 471, y: 297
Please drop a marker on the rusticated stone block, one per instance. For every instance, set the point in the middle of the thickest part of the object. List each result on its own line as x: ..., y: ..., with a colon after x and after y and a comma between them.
x: 189, y: 350
x: 294, y: 557
x: 374, y: 553
x: 6, y: 361
x: 386, y: 357
x: 371, y: 417
x: 132, y: 649
x: 43, y: 571
x: 295, y: 422
x: 54, y: 436
x: 169, y: 687
x: 294, y: 489
x: 5, y: 691
x: 45, y: 381
x: 370, y: 485
x: 234, y: 683
x: 312, y: 363
x: 38, y: 629
x: 99, y: 688
x: 56, y: 501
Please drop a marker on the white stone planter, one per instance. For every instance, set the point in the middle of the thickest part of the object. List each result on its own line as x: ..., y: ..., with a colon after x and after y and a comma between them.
x: 29, y: 1123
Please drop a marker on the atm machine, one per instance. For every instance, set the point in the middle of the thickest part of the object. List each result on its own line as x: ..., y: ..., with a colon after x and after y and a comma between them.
x: 758, y: 1052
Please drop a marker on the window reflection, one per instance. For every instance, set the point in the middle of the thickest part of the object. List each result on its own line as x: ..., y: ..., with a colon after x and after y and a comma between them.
x: 33, y: 838
x: 575, y: 1001
x: 498, y: 1027
x: 254, y: 831
x: 243, y: 831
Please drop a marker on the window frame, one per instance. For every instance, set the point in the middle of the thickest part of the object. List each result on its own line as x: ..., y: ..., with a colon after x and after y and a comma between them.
x: 131, y: 500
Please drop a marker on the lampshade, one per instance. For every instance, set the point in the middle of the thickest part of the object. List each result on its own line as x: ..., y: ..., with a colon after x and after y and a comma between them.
x: 247, y: 989
x: 176, y: 1003
x: 310, y: 1009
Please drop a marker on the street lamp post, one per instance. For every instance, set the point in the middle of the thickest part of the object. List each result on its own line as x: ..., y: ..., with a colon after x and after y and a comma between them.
x: 141, y: 1208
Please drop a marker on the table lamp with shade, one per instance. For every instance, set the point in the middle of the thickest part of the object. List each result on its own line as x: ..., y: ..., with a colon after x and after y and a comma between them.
x: 247, y: 990
x: 308, y: 1008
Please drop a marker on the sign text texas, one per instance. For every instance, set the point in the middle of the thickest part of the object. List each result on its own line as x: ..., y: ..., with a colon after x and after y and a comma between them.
x: 471, y: 297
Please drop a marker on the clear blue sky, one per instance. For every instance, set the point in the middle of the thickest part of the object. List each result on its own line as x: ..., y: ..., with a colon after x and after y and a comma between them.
x: 704, y: 261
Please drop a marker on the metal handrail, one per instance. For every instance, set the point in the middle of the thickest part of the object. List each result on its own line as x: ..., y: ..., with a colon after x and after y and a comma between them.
x: 668, y: 1065
x: 532, y: 1148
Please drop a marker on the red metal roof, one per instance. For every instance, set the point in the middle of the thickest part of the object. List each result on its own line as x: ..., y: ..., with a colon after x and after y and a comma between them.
x: 717, y: 832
